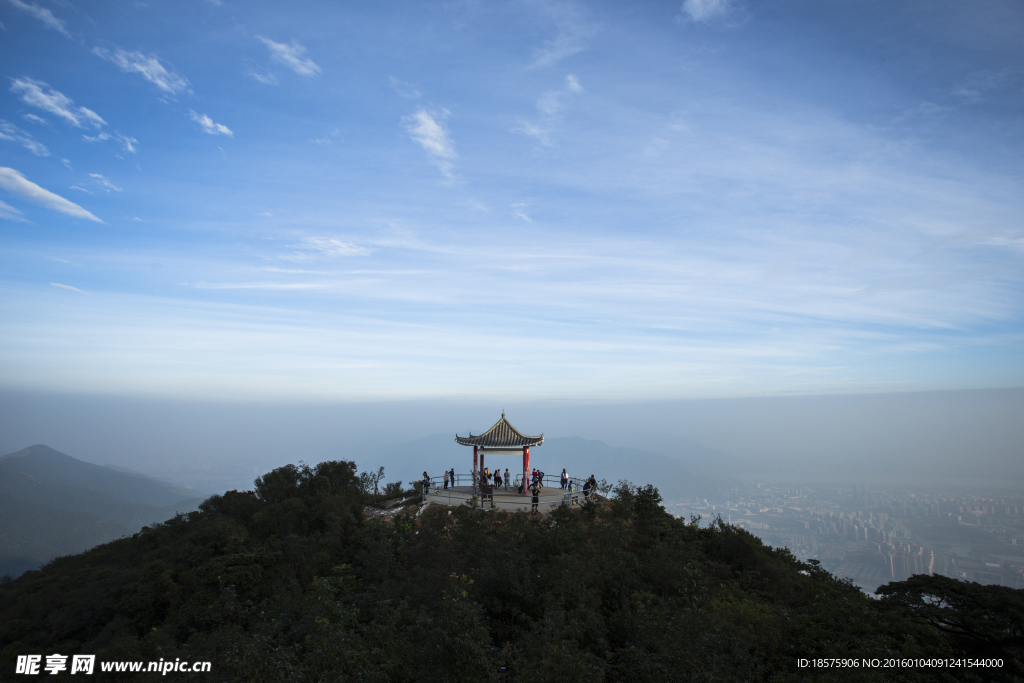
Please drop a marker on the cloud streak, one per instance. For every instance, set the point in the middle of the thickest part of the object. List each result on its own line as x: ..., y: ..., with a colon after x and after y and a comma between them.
x: 104, y: 182
x: 9, y: 213
x: 573, y: 31
x: 433, y: 137
x: 42, y: 14
x: 39, y: 94
x: 707, y: 10
x: 291, y: 55
x: 149, y: 67
x: 403, y: 89
x: 67, y: 287
x: 209, y: 126
x: 332, y: 246
x: 15, y: 183
x: 11, y: 133
x: 551, y: 105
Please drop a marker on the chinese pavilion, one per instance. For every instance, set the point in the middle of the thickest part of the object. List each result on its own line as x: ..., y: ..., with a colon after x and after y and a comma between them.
x: 501, y: 438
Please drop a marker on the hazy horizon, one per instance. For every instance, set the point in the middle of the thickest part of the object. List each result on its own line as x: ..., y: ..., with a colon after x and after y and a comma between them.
x: 952, y: 437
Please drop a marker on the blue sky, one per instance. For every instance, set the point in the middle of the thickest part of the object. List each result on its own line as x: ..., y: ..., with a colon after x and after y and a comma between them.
x: 521, y: 200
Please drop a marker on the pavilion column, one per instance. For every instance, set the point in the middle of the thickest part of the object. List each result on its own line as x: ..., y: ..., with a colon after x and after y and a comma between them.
x: 526, y: 468
x: 474, y: 468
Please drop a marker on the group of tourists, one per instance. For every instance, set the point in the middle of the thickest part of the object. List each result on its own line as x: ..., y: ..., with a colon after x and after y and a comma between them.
x: 537, y: 477
x: 589, y: 487
x: 535, y: 485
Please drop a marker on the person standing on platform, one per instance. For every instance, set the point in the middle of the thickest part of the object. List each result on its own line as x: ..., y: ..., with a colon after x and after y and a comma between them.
x: 507, y: 482
x: 535, y: 490
x: 426, y: 483
x: 564, y: 479
x: 497, y: 478
x: 452, y: 472
x: 446, y: 480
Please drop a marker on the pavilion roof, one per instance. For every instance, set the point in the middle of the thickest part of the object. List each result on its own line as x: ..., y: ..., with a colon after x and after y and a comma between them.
x: 501, y: 435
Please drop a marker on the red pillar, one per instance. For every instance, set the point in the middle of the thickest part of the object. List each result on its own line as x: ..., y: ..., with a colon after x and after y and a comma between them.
x: 474, y: 469
x: 526, y: 468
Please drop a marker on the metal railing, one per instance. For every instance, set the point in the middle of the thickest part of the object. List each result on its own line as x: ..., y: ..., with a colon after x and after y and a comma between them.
x: 573, y: 493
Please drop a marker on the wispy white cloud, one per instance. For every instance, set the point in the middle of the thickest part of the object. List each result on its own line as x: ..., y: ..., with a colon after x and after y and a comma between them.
x: 42, y: 14
x: 80, y: 189
x: 328, y: 140
x: 519, y: 211
x: 149, y: 67
x: 67, y: 287
x: 407, y: 90
x: 127, y: 142
x: 533, y: 130
x: 433, y: 137
x: 39, y: 94
x: 707, y: 10
x: 574, y: 28
x: 209, y: 126
x: 9, y: 213
x: 36, y: 119
x: 332, y: 246
x: 313, y: 247
x: 261, y: 76
x: 104, y: 182
x: 15, y: 183
x: 978, y: 84
x: 551, y: 105
x: 62, y: 260
x: 272, y: 286
x: 291, y: 55
x: 67, y: 164
x: 11, y: 133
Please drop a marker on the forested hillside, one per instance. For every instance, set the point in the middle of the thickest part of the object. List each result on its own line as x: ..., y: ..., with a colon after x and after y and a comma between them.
x: 305, y: 580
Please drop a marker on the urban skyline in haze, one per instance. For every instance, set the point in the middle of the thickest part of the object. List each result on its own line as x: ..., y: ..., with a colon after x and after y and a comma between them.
x: 510, y: 202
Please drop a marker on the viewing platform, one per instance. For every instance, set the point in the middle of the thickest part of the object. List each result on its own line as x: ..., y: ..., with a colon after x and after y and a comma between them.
x: 509, y: 501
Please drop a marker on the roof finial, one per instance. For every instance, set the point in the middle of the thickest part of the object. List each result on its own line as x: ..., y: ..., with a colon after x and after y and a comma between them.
x: 503, y: 412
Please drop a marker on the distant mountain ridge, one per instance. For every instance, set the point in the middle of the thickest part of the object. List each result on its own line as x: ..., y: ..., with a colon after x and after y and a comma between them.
x: 52, y: 504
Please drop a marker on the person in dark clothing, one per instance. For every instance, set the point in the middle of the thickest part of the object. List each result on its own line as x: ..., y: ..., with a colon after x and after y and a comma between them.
x: 564, y: 479
x: 535, y: 490
x: 426, y: 483
x: 587, y: 489
x: 452, y: 472
x: 497, y: 478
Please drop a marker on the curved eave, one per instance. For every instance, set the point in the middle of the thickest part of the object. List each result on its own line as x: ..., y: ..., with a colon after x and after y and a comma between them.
x: 486, y: 442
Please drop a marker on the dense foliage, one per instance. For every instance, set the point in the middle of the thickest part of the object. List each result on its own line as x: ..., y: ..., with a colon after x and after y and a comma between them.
x: 298, y: 581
